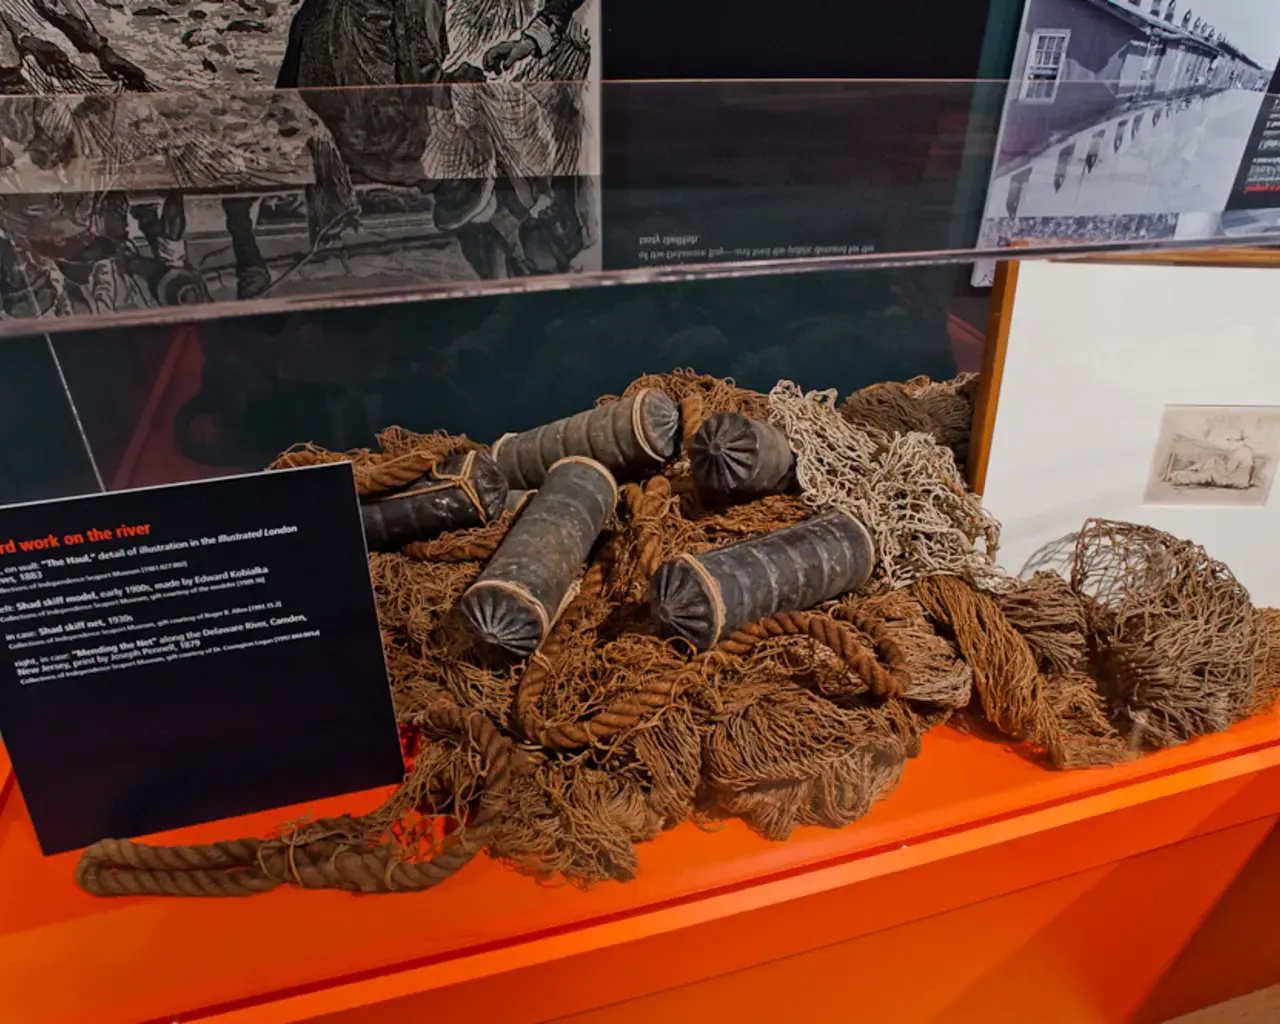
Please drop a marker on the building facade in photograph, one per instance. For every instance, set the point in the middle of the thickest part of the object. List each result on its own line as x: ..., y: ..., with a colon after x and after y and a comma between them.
x: 1082, y: 61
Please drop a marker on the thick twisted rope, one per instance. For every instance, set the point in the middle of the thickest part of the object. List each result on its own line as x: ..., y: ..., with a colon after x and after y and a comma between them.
x: 691, y: 417
x: 245, y: 867
x: 890, y: 679
x: 392, y: 474
x: 620, y: 716
x: 647, y: 507
x: 373, y: 476
x: 883, y: 680
x: 475, y: 545
x: 887, y: 649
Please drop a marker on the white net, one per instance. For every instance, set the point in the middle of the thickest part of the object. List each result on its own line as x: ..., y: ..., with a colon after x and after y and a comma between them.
x: 905, y: 488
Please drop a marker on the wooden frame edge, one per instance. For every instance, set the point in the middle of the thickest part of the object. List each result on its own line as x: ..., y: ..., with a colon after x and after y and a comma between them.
x: 993, y: 356
x: 1261, y: 257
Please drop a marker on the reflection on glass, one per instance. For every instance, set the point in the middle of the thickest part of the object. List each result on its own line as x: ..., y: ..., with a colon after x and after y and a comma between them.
x: 381, y: 145
x: 268, y: 201
x: 160, y: 405
x: 42, y: 452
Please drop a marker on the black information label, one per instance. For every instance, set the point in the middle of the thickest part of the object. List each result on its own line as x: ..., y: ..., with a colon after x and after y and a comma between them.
x: 179, y: 654
x: 1257, y: 185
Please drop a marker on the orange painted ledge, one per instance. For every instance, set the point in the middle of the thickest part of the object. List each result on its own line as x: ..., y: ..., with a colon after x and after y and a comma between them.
x: 291, y: 956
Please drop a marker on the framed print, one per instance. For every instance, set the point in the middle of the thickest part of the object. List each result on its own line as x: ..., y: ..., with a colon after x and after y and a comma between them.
x: 1135, y: 391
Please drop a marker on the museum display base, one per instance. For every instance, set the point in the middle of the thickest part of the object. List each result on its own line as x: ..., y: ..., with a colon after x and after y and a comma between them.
x: 986, y: 888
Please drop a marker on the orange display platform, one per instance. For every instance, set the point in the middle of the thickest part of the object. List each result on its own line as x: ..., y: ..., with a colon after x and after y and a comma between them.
x: 985, y: 889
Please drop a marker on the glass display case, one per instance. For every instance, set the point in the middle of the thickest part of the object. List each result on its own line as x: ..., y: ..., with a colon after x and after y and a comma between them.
x: 192, y: 286
x: 697, y: 180
x: 159, y: 404
x: 815, y: 231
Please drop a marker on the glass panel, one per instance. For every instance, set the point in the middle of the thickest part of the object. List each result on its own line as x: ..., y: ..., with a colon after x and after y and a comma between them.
x: 126, y: 208
x: 161, y: 405
x: 43, y: 452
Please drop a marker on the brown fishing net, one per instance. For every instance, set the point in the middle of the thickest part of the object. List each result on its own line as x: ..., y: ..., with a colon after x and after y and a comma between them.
x: 562, y: 764
x: 1020, y: 691
x: 708, y: 395
x: 941, y: 409
x: 1177, y: 644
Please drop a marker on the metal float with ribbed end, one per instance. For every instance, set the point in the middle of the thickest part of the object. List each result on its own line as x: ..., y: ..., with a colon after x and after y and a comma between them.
x: 629, y: 437
x: 521, y: 592
x: 462, y: 492
x: 704, y: 598
x: 736, y: 458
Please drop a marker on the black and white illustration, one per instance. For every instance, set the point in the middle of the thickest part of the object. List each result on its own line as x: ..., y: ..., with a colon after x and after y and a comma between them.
x: 1129, y: 108
x: 164, y: 152
x: 1250, y: 223
x: 1005, y: 231
x: 1215, y: 455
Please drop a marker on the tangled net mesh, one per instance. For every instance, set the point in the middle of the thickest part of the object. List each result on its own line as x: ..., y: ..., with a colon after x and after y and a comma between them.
x: 1178, y: 647
x: 562, y: 764
x: 905, y: 487
x: 943, y: 409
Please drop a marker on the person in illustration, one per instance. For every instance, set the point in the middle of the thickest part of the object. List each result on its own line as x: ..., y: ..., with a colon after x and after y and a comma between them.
x: 48, y: 140
x: 1017, y: 187
x: 550, y: 232
x: 63, y: 251
x: 540, y: 36
x: 1240, y: 461
x: 348, y: 57
x: 1137, y: 125
x: 367, y: 68
x: 1232, y: 467
x: 1065, y: 155
x: 1119, y: 139
x: 1095, y: 151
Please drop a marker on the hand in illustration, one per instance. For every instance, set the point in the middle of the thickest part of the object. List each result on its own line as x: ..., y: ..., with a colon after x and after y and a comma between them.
x: 504, y: 56
x: 465, y: 73
x: 123, y: 70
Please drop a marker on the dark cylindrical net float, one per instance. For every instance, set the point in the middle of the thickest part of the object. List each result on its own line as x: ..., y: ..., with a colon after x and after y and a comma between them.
x: 463, y: 491
x: 519, y: 595
x: 627, y: 437
x: 704, y: 598
x: 737, y: 458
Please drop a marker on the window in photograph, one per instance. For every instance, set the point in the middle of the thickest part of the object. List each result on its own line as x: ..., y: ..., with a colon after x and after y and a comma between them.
x: 1044, y: 68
